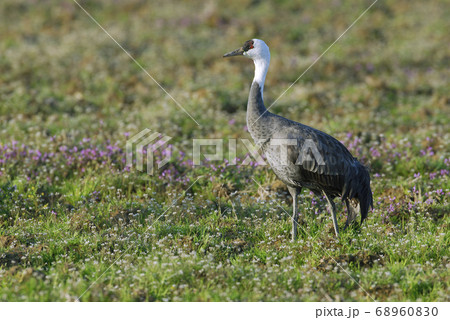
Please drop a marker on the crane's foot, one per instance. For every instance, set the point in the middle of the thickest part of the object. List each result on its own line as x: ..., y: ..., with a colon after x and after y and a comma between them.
x: 337, y: 233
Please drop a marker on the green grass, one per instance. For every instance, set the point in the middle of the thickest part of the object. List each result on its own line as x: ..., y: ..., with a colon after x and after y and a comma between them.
x: 74, y: 221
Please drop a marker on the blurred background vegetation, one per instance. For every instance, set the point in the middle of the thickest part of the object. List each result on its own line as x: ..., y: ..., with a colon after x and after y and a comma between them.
x: 59, y: 70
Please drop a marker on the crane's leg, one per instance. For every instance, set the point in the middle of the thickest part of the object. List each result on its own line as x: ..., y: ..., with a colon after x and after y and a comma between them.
x: 294, y: 193
x: 333, y: 213
x: 352, y: 212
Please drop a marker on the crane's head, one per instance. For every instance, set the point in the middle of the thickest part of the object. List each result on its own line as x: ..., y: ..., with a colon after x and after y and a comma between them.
x: 254, y: 49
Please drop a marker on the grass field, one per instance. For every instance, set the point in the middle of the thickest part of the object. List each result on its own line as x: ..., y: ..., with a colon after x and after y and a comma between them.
x: 75, y: 221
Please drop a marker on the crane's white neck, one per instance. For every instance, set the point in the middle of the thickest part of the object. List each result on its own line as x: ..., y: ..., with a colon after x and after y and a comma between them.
x: 261, y: 67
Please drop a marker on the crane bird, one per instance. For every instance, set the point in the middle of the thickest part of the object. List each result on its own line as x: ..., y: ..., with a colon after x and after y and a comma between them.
x: 301, y: 156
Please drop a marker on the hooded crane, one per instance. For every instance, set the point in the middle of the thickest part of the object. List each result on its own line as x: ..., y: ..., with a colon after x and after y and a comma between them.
x: 301, y: 156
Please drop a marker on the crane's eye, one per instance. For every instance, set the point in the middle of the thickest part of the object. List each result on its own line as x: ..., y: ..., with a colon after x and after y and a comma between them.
x: 248, y: 45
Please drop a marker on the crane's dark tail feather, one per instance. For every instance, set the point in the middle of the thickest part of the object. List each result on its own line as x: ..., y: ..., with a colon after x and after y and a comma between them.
x: 357, y: 187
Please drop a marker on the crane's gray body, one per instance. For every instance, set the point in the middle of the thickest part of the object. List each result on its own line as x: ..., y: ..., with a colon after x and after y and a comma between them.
x: 334, y: 172
x: 302, y: 156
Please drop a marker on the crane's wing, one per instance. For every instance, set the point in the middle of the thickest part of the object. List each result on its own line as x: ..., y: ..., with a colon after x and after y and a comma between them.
x: 315, y: 151
x: 314, y: 159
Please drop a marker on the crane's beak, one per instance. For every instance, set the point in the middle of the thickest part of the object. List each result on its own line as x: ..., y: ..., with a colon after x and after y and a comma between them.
x: 237, y: 52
